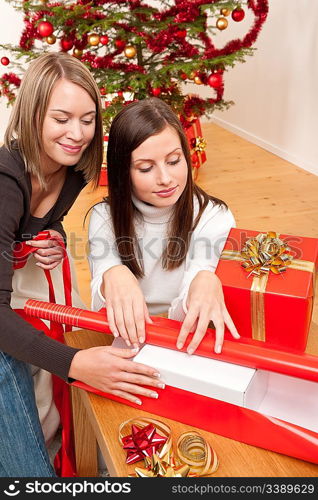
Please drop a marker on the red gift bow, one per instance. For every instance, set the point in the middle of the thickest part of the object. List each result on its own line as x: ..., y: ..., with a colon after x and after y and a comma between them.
x: 142, y: 442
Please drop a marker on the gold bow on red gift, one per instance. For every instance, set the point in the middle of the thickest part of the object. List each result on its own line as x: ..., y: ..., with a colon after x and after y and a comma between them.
x: 261, y: 255
x: 265, y: 253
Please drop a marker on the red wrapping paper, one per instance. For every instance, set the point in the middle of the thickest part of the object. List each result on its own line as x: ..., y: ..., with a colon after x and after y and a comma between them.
x: 241, y: 424
x: 197, y: 157
x: 288, y: 298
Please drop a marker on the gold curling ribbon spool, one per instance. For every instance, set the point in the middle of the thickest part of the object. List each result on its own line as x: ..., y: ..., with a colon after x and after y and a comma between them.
x: 161, y: 428
x: 194, y: 451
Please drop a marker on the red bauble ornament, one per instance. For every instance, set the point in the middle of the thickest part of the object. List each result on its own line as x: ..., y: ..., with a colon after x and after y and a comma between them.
x: 103, y: 91
x: 183, y: 76
x: 215, y: 80
x: 104, y: 39
x: 156, y: 91
x: 120, y: 93
x: 45, y: 28
x: 66, y: 44
x: 5, y: 61
x: 120, y: 44
x: 181, y: 33
x: 238, y: 15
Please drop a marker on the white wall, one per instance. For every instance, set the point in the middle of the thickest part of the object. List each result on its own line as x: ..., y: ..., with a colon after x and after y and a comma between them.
x: 11, y: 25
x: 275, y: 91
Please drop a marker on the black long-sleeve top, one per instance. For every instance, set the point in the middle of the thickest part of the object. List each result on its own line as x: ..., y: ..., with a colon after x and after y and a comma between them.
x: 17, y: 337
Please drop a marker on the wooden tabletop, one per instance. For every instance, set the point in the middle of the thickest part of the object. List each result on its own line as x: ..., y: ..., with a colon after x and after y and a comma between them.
x: 235, y: 459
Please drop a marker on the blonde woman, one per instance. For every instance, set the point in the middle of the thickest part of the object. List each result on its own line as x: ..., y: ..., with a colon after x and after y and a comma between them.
x: 53, y: 148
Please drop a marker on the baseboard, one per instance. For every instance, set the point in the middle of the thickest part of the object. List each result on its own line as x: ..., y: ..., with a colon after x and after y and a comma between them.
x: 309, y: 167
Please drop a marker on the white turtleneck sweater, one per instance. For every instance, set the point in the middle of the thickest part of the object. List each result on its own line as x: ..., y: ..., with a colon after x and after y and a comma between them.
x: 163, y: 290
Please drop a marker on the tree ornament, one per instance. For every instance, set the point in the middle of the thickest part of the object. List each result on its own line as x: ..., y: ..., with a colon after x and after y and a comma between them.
x: 130, y: 51
x: 77, y: 53
x: 104, y: 39
x: 225, y: 12
x: 181, y: 33
x: 156, y: 91
x: 183, y: 75
x: 120, y: 44
x: 198, y: 80
x: 51, y: 39
x: 222, y: 23
x: 66, y: 44
x: 215, y: 80
x: 45, y: 28
x: 102, y: 91
x: 238, y: 15
x: 5, y: 61
x: 192, y: 75
x: 93, y: 39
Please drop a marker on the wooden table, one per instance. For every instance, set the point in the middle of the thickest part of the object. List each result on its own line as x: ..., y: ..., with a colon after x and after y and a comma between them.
x: 97, y: 419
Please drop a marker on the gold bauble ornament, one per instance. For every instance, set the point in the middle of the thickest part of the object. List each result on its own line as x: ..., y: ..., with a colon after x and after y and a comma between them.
x: 130, y: 51
x: 93, y: 39
x: 192, y: 75
x: 77, y: 53
x: 222, y: 23
x: 225, y: 12
x: 198, y: 80
x: 51, y: 39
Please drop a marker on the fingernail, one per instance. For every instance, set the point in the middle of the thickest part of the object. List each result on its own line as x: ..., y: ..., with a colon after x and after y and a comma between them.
x: 179, y: 345
x: 116, y: 334
x: 128, y: 343
x: 138, y: 402
x: 28, y: 242
x: 38, y: 264
x: 190, y: 351
x: 141, y: 340
x: 154, y: 395
x: 135, y: 349
x: 218, y: 349
x: 162, y: 386
x: 157, y: 375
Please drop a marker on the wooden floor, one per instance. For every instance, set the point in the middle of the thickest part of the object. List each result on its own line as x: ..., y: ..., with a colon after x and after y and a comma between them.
x: 263, y: 191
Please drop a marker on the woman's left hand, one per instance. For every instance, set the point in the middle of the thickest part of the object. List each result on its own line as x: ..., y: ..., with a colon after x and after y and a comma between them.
x: 49, y: 253
x: 205, y: 302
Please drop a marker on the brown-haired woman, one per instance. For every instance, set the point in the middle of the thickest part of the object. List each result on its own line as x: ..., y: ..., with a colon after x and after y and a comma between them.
x: 155, y: 241
x: 53, y: 147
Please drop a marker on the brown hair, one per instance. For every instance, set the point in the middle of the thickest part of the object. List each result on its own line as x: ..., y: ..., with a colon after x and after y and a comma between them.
x: 27, y: 117
x: 130, y: 128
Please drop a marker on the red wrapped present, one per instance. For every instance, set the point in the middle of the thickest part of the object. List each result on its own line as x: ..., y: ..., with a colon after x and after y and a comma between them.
x: 268, y: 283
x: 103, y: 179
x: 197, y: 145
x: 270, y: 401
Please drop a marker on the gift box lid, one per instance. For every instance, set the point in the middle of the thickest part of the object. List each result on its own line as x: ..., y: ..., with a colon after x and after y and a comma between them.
x: 293, y: 282
x: 207, y: 377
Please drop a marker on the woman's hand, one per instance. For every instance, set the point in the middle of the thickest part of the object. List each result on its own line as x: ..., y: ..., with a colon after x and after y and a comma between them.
x: 49, y: 254
x: 205, y: 302
x: 126, y: 307
x: 110, y: 370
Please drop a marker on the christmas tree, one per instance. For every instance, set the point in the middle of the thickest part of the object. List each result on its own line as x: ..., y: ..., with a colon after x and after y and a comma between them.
x: 135, y: 49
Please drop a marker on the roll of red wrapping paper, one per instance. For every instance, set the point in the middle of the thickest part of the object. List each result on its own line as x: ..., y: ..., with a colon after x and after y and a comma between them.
x: 164, y: 332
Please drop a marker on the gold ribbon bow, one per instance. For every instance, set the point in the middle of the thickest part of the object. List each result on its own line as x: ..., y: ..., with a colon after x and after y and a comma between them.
x: 261, y: 255
x: 199, y: 145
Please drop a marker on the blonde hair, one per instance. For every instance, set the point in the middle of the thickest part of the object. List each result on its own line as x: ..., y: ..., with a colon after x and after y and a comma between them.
x: 27, y: 117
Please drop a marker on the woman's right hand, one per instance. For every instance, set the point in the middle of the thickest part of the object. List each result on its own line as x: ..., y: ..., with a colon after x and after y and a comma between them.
x: 110, y: 370
x: 127, y: 311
